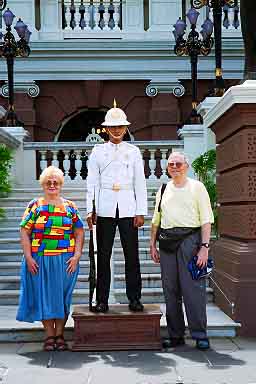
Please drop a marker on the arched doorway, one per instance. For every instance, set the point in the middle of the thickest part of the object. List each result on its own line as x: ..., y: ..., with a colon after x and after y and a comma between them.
x: 78, y: 126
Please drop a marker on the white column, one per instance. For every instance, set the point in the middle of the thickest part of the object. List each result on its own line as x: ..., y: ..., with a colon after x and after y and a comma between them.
x: 51, y: 23
x: 133, y: 17
x: 162, y: 15
x: 23, y: 170
x: 209, y: 136
x: 193, y: 138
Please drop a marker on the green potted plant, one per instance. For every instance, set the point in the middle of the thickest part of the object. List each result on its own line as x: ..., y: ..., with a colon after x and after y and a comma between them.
x: 5, y: 165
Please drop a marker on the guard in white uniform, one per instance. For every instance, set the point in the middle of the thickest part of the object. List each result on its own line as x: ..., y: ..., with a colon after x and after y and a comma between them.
x: 117, y: 182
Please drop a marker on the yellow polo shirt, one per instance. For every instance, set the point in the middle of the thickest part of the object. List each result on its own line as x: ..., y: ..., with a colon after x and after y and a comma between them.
x: 188, y: 206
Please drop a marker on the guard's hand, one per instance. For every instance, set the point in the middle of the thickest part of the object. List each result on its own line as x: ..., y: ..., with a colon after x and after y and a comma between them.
x: 91, y: 220
x: 202, y: 257
x: 154, y: 254
x: 32, y: 265
x: 138, y: 221
x: 72, y: 264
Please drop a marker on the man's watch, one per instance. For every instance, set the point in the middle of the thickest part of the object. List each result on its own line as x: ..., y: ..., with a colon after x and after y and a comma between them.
x: 206, y: 245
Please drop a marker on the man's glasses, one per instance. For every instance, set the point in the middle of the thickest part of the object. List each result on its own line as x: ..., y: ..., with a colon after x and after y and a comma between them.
x: 49, y: 183
x: 177, y: 164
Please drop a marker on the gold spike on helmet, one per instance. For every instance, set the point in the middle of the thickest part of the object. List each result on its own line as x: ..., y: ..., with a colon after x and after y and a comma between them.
x: 115, y: 117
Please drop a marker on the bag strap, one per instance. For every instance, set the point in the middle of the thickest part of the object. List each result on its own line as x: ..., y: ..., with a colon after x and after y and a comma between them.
x: 162, y: 192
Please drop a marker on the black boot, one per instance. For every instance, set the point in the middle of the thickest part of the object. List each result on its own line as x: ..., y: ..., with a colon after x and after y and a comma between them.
x: 136, y: 306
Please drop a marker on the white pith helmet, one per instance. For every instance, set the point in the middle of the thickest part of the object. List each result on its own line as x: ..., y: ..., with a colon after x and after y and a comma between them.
x: 115, y: 117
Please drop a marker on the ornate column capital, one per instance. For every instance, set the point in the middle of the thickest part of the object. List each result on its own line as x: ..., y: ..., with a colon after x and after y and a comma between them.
x: 174, y: 87
x: 31, y: 88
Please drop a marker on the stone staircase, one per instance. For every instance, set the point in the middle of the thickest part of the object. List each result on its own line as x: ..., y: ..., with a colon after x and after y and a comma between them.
x: 11, y: 254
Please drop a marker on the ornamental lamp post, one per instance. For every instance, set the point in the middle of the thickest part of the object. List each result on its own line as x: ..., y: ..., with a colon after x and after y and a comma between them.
x: 193, y: 46
x: 3, y: 4
x: 10, y: 48
x: 218, y: 8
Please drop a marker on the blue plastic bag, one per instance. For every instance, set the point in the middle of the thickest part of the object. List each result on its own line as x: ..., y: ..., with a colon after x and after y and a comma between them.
x: 197, y: 272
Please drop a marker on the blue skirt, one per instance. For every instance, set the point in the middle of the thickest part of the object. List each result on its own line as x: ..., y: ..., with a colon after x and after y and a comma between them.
x: 46, y: 295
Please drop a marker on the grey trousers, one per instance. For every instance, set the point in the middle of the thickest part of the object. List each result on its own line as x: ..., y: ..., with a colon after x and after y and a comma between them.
x: 178, y: 284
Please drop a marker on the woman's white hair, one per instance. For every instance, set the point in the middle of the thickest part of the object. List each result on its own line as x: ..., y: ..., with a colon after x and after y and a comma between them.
x: 49, y: 172
x: 182, y: 154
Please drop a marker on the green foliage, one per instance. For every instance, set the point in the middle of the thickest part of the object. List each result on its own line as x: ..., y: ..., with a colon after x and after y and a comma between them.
x: 205, y: 169
x: 5, y: 164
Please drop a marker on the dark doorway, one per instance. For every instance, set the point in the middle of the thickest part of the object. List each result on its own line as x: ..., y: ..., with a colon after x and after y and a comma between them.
x: 80, y: 126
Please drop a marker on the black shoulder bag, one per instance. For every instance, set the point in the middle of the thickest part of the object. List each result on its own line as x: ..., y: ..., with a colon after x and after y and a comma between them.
x: 171, y: 238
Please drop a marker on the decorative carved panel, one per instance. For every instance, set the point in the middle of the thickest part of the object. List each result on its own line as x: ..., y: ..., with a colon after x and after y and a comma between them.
x: 237, y: 150
x: 238, y: 221
x: 237, y: 117
x: 238, y: 185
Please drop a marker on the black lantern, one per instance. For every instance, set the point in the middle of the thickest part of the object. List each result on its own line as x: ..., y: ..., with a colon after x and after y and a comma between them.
x: 10, y: 48
x: 218, y: 8
x: 193, y: 46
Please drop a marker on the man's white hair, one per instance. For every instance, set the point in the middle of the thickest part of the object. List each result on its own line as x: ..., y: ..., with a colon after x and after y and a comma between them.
x: 182, y: 154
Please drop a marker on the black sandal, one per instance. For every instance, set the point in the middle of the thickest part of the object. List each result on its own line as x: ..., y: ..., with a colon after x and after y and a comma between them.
x: 60, y: 343
x: 49, y: 344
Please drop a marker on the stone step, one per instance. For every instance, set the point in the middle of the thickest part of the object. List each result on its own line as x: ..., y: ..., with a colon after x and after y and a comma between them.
x: 14, y: 219
x: 15, y: 254
x: 12, y: 243
x: 218, y: 325
x: 148, y: 281
x: 81, y: 295
x: 14, y: 232
x: 22, y: 202
x: 12, y: 268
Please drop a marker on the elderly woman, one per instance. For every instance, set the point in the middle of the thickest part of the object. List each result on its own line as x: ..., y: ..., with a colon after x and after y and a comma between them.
x: 52, y: 237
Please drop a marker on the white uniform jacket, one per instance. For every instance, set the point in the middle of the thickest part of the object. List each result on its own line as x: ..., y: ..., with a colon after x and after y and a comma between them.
x: 116, y: 178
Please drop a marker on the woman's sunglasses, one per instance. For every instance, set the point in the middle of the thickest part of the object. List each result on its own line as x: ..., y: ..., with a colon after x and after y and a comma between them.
x: 49, y: 183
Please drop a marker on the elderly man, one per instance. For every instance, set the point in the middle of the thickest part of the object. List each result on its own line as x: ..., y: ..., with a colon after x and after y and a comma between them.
x: 184, y: 216
x: 116, y: 179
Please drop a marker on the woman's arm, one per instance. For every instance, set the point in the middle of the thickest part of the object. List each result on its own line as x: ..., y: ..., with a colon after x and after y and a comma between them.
x: 79, y: 242
x: 26, y: 246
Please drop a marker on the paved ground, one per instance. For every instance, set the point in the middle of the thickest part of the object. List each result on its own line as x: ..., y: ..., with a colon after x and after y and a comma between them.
x: 230, y: 361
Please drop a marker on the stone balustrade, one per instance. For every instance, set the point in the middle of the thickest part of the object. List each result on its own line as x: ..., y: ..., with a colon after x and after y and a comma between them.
x: 72, y: 158
x: 91, y: 16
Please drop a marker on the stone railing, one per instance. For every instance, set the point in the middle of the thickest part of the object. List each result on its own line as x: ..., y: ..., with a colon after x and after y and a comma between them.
x: 72, y: 158
x: 91, y: 16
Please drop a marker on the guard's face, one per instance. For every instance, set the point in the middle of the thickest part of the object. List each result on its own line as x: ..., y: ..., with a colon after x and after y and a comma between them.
x: 177, y: 166
x: 116, y: 133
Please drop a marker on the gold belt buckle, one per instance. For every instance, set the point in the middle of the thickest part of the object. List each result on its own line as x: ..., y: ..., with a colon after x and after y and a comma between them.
x: 116, y: 187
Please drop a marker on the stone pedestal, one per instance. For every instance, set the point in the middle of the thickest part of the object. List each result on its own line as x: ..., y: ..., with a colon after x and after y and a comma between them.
x: 193, y: 138
x: 233, y: 119
x: 119, y: 329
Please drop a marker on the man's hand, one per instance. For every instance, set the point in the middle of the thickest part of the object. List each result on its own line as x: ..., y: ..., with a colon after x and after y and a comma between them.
x: 91, y: 220
x: 202, y: 257
x: 154, y: 253
x: 32, y: 265
x: 138, y: 221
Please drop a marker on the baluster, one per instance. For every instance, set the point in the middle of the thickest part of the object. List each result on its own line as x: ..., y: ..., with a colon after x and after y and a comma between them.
x: 78, y: 166
x: 55, y: 161
x: 88, y: 152
x: 163, y: 163
x: 96, y: 15
x: 152, y: 165
x: 68, y: 17
x: 77, y: 18
x: 43, y: 161
x: 66, y: 165
x: 116, y: 16
x: 87, y: 18
x: 106, y: 16
x: 82, y: 15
